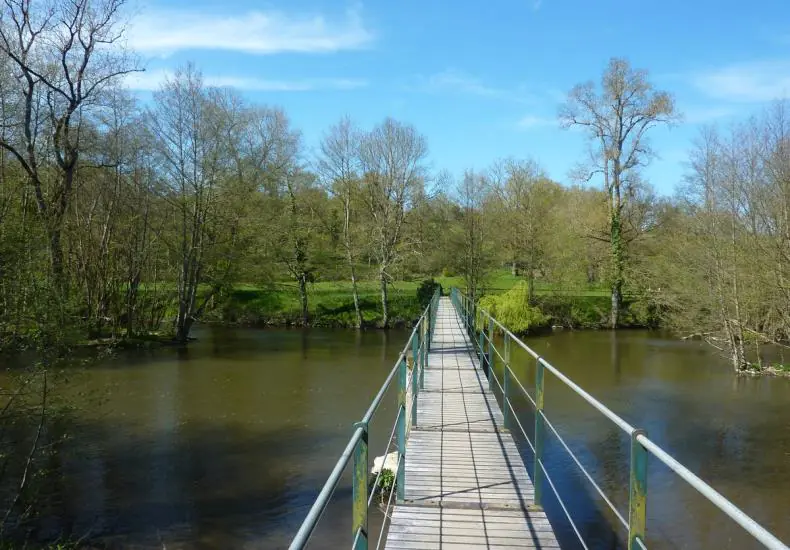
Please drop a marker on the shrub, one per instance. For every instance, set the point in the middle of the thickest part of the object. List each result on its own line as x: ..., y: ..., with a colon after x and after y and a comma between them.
x: 513, y: 310
x: 425, y: 291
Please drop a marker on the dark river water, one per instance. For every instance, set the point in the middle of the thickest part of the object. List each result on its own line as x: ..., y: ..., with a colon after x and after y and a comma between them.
x: 226, y: 444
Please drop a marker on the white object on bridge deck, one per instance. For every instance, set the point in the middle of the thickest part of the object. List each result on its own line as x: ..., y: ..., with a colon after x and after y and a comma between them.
x: 466, y: 484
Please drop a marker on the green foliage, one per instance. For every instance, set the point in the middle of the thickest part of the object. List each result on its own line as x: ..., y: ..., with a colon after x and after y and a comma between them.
x: 386, y: 481
x: 575, y: 311
x: 512, y: 309
x: 426, y: 291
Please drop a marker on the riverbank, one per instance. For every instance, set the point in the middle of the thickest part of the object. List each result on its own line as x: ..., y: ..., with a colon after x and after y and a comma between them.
x: 331, y: 305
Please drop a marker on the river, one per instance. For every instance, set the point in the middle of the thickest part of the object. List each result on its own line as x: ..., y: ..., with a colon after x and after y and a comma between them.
x: 226, y: 444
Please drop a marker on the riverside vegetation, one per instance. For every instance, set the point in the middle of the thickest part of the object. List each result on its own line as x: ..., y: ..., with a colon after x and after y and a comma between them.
x: 123, y: 220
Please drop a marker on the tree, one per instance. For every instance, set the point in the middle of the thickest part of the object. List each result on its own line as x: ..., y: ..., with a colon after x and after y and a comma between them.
x: 473, y: 241
x: 617, y: 120
x: 338, y: 165
x: 526, y: 199
x: 65, y: 56
x: 391, y: 158
x: 190, y: 124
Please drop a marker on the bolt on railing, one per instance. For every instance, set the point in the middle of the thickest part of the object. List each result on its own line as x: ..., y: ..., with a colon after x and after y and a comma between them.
x: 414, y: 355
x: 476, y: 321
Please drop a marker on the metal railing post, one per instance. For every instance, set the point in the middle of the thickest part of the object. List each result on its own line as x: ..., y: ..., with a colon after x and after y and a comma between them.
x: 539, y: 431
x: 470, y: 319
x: 481, y: 354
x: 637, y: 502
x: 424, y: 352
x: 359, y: 529
x: 506, y: 384
x: 426, y: 326
x: 400, y: 479
x: 491, y: 373
x: 415, y: 351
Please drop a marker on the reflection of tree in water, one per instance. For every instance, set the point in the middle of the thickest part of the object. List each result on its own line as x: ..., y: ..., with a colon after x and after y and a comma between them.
x: 210, y: 485
x: 615, y: 356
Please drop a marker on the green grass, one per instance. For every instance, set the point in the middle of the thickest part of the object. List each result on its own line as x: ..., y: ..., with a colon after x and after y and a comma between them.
x: 330, y: 304
x: 503, y: 280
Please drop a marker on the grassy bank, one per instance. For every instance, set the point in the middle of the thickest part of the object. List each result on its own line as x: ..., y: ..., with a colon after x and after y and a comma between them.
x: 331, y: 304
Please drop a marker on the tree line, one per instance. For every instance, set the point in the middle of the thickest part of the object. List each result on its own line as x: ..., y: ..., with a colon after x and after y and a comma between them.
x: 121, y: 218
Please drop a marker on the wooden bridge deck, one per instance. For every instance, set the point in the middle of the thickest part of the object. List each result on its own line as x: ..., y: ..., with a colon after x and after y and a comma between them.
x: 466, y: 485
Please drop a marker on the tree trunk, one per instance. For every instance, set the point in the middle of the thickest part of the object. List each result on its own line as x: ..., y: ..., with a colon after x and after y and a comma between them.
x: 355, y: 294
x: 531, y: 286
x: 303, y: 298
x: 617, y: 260
x: 514, y: 268
x: 56, y: 252
x: 617, y: 300
x: 182, y: 334
x: 384, y: 299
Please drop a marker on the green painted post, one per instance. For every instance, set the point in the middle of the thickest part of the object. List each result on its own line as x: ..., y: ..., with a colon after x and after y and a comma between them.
x: 637, y: 502
x: 429, y: 320
x: 400, y: 480
x: 506, y: 383
x: 415, y: 350
x: 481, y: 354
x: 539, y: 431
x: 360, y: 490
x: 491, y: 373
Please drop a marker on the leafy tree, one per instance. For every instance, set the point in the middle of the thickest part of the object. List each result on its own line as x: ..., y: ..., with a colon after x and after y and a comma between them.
x: 617, y: 119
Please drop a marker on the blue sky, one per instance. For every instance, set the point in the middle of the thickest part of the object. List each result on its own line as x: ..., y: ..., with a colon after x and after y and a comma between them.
x: 481, y: 80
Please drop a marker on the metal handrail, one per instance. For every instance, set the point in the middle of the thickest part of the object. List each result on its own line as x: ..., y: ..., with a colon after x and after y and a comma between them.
x: 476, y: 320
x: 416, y: 350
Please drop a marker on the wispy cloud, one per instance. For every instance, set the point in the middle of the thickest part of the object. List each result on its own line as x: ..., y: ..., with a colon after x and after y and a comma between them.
x: 152, y: 80
x: 532, y: 121
x: 701, y: 115
x: 747, y: 82
x: 453, y: 81
x: 164, y: 32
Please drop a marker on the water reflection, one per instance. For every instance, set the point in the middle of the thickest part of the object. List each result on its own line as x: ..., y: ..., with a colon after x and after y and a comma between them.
x: 226, y: 444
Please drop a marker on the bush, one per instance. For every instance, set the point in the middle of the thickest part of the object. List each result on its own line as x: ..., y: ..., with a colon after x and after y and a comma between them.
x: 426, y: 290
x: 513, y: 310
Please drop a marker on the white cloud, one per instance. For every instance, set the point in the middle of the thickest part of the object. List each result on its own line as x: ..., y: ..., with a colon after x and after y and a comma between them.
x: 747, y: 82
x: 152, y: 80
x: 532, y: 121
x: 454, y: 81
x: 164, y: 32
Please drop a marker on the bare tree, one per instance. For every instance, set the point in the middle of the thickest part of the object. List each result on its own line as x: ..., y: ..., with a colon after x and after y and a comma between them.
x: 63, y: 57
x: 473, y: 250
x: 338, y: 166
x: 391, y: 156
x: 617, y: 119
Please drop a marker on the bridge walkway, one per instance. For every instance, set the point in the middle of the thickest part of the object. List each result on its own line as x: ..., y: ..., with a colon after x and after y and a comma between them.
x: 466, y: 484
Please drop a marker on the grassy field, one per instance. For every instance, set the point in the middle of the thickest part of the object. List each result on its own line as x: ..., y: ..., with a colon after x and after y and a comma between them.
x: 331, y: 304
x: 503, y: 280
